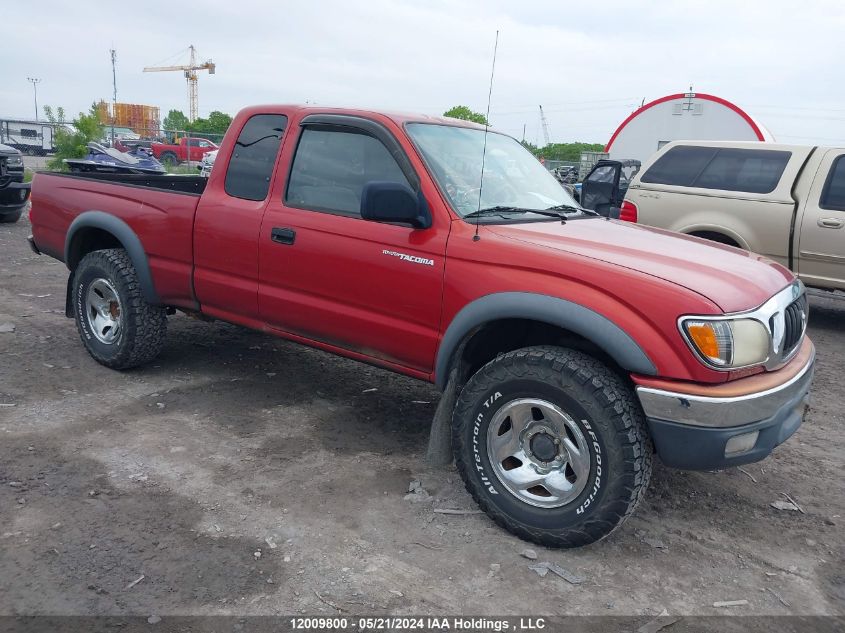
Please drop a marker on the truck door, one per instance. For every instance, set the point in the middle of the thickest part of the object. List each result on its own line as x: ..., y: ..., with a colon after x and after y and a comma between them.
x: 328, y: 275
x: 228, y: 222
x: 600, y: 189
x: 821, y: 243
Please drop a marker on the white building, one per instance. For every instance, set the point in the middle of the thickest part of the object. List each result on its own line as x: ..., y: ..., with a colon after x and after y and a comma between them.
x: 687, y: 116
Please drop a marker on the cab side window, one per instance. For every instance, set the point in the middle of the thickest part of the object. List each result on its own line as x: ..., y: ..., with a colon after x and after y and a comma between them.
x: 833, y: 194
x: 725, y: 168
x: 331, y: 167
x: 254, y: 156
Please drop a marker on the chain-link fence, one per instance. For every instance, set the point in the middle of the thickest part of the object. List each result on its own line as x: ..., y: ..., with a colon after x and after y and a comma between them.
x: 159, y: 135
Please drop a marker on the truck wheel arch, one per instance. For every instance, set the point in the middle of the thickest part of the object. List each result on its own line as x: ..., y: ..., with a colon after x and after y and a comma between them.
x: 716, y: 234
x: 556, y: 312
x: 101, y: 224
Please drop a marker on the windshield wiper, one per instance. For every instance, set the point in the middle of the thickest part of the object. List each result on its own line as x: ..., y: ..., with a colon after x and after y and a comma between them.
x: 506, y: 209
x: 569, y: 207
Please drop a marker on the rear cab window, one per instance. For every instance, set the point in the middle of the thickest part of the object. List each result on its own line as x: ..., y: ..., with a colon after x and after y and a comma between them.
x: 331, y: 167
x: 723, y: 168
x: 254, y: 156
x: 833, y: 194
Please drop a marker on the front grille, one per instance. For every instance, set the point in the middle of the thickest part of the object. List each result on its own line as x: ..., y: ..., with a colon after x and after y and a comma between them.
x: 794, y: 318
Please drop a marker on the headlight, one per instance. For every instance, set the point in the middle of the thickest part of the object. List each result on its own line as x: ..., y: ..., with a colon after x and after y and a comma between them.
x: 15, y: 161
x: 727, y: 343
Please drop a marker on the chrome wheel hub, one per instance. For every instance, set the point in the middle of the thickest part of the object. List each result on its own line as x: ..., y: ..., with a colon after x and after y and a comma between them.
x: 103, y: 311
x: 538, y: 452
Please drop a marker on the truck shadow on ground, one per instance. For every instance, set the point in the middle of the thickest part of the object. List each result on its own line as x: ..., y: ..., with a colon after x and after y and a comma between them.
x: 252, y: 383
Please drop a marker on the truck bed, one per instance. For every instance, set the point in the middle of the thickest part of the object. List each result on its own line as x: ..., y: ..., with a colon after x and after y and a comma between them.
x: 159, y: 210
x: 181, y: 183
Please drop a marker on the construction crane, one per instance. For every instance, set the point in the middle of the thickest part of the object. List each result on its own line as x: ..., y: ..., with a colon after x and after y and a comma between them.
x: 191, y: 76
x: 545, y: 125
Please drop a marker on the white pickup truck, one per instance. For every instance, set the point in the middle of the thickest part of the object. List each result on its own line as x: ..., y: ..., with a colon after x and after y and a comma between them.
x: 786, y: 202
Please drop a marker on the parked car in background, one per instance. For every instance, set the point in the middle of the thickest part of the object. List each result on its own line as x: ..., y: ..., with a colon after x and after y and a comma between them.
x: 569, y: 348
x: 207, y: 163
x: 133, y: 145
x: 14, y: 192
x: 185, y: 149
x: 786, y: 202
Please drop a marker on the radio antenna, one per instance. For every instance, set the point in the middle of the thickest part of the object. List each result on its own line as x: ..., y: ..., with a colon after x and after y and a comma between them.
x: 476, y: 237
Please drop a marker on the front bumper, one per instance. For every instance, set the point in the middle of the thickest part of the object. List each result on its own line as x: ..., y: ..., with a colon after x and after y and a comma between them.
x: 692, y: 425
x: 14, y: 196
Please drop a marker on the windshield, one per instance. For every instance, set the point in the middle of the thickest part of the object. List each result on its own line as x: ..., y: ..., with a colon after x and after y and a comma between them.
x: 512, y: 176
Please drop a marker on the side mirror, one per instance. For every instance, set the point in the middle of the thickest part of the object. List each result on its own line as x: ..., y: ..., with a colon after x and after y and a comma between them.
x: 394, y: 202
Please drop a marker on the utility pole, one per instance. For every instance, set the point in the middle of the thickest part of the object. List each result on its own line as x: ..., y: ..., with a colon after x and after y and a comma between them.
x: 114, y: 92
x: 35, y: 83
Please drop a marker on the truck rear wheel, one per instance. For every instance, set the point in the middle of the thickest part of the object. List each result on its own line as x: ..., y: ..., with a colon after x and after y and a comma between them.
x: 552, y: 445
x: 116, y: 325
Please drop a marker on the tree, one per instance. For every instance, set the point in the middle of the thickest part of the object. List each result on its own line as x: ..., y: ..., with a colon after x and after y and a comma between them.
x: 463, y: 112
x: 175, y: 121
x: 73, y: 143
x: 530, y: 147
x: 570, y: 152
x: 216, y: 123
x: 58, y: 117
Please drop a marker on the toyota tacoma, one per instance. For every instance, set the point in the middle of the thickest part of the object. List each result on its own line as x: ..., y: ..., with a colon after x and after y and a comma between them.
x: 571, y: 349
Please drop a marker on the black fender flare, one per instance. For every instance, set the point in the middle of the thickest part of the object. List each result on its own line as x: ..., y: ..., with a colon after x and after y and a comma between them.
x: 128, y: 239
x: 594, y: 327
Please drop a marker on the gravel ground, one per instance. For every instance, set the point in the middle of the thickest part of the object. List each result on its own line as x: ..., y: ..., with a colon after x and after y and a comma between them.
x: 241, y: 474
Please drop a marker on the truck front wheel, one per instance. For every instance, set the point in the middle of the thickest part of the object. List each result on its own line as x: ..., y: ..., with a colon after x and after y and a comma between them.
x: 116, y: 325
x: 552, y: 445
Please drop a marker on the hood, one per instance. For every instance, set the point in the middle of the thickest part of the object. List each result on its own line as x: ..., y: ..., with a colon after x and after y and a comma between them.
x: 733, y: 279
x: 6, y: 150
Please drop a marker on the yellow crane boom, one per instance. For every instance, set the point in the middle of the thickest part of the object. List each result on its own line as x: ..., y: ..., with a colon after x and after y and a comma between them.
x: 190, y: 71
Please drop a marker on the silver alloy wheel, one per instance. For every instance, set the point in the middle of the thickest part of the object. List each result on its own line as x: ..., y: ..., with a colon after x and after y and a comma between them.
x: 103, y: 311
x: 538, y: 452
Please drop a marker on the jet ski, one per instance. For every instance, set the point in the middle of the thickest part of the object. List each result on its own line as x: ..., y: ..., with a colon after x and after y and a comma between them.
x: 108, y: 160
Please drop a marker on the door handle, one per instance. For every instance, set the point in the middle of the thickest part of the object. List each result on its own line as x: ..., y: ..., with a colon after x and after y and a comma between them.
x: 283, y: 236
x: 830, y: 223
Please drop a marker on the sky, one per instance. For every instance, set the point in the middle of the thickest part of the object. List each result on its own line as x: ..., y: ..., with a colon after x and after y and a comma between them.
x: 589, y: 64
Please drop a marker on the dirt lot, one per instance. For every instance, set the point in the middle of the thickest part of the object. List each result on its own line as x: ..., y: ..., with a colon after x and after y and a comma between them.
x: 245, y: 475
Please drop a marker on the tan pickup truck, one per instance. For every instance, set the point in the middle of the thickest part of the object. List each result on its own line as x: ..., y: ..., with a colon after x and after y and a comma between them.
x: 786, y: 202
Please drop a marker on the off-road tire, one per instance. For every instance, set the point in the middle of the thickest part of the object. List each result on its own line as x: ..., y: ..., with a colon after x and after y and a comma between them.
x: 605, y: 409
x: 143, y: 326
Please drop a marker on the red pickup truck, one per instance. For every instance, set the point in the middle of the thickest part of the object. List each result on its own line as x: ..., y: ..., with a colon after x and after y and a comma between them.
x: 570, y: 347
x: 186, y: 149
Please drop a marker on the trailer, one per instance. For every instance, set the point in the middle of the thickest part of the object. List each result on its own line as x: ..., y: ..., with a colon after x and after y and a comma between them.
x: 29, y: 137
